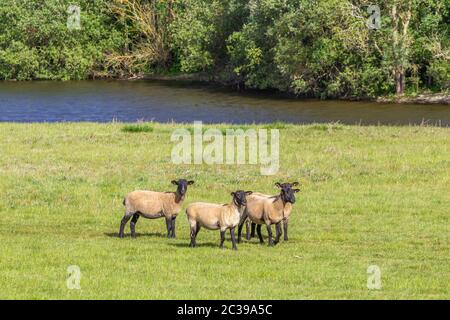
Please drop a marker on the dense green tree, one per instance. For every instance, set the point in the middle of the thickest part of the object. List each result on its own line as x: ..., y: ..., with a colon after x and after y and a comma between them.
x: 317, y: 48
x: 201, y: 29
x: 320, y: 48
x: 35, y: 42
x: 145, y: 25
x: 413, y: 41
x: 325, y: 48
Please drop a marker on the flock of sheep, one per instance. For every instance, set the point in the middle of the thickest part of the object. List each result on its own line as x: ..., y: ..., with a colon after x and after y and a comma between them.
x: 246, y: 207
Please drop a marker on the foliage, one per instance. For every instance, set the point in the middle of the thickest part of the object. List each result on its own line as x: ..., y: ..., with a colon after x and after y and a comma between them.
x: 308, y: 48
x: 200, y: 31
x: 319, y: 48
x: 137, y: 128
x: 35, y: 42
x: 145, y: 24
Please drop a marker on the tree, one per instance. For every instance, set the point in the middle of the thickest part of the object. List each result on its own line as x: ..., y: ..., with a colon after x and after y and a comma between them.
x: 146, y: 25
x: 400, y: 14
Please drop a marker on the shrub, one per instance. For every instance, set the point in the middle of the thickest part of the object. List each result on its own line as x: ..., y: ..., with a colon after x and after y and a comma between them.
x: 137, y: 128
x: 35, y: 42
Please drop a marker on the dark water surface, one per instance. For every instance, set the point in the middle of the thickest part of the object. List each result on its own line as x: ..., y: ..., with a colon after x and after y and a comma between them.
x: 129, y: 101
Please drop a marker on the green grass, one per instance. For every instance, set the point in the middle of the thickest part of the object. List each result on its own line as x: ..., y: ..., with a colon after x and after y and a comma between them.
x: 137, y: 128
x: 276, y: 125
x: 370, y: 196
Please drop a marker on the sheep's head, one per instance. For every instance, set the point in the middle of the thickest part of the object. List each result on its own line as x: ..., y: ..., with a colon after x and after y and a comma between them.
x: 182, y: 185
x: 287, y: 192
x: 239, y: 197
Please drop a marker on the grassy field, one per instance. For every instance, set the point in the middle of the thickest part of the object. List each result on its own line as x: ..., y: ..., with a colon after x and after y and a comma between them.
x: 370, y: 196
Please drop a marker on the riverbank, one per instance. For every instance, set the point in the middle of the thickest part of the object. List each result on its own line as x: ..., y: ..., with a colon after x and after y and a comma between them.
x: 428, y: 98
x: 370, y: 195
x: 203, y: 78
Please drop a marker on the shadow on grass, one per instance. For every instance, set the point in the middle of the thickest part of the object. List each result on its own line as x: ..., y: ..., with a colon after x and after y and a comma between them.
x: 212, y: 245
x: 138, y: 235
x: 199, y: 245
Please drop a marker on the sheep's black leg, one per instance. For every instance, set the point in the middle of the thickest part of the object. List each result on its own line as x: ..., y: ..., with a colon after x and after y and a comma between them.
x: 173, y: 226
x: 285, y: 227
x: 278, y: 232
x: 252, y: 235
x: 241, y: 225
x: 233, y: 238
x: 269, y: 231
x: 169, y: 226
x: 124, y: 221
x: 194, y: 232
x: 247, y: 230
x: 133, y: 225
x: 258, y: 230
x: 222, y: 238
x: 240, y: 231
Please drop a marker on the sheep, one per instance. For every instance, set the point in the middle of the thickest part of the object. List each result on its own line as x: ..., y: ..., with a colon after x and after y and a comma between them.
x: 287, y: 214
x: 248, y: 222
x: 216, y: 216
x: 268, y: 210
x: 153, y: 205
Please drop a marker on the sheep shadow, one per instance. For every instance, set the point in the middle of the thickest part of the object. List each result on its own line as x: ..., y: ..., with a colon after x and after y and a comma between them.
x: 254, y: 242
x: 138, y: 234
x: 215, y: 245
x: 199, y: 245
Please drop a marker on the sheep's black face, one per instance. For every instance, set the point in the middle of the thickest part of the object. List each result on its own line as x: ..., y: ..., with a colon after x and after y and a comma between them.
x: 182, y: 185
x: 239, y: 197
x: 287, y: 193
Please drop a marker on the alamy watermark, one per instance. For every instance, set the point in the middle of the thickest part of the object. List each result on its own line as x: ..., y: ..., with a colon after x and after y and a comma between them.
x: 73, y: 282
x: 374, y: 278
x: 74, y: 17
x: 230, y: 146
x: 374, y: 21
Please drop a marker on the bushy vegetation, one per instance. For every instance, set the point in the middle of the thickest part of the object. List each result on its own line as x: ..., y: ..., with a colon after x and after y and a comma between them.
x: 137, y: 128
x: 309, y: 48
x: 35, y: 42
x: 318, y: 48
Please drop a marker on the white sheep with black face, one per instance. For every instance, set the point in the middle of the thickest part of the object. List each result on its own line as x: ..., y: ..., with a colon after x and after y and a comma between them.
x: 153, y: 205
x: 217, y: 216
x: 266, y: 209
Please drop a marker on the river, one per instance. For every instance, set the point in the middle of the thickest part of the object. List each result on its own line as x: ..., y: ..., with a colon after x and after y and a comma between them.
x: 131, y: 101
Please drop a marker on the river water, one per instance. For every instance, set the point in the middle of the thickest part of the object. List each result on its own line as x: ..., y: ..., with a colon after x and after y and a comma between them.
x: 130, y: 101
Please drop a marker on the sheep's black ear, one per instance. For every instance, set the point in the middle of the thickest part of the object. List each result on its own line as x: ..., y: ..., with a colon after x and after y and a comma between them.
x: 175, y: 182
x: 296, y: 190
x: 296, y: 183
x: 190, y: 182
x: 248, y: 192
x: 233, y: 194
x: 278, y: 185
